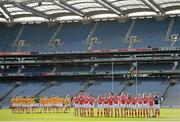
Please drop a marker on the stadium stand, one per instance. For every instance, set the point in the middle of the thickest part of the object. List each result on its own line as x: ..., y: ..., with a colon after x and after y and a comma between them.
x: 145, y: 33
x: 104, y: 86
x: 149, y: 86
x: 108, y: 35
x: 172, y: 99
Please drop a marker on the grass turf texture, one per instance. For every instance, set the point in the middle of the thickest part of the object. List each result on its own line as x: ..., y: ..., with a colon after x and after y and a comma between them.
x: 167, y: 115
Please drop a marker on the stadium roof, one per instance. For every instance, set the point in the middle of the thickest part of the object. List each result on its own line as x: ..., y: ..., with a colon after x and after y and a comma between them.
x: 75, y: 10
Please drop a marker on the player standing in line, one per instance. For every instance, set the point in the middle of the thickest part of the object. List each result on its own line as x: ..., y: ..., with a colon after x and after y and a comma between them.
x: 157, y: 101
x: 53, y: 110
x: 92, y: 102
x: 41, y: 105
x: 76, y: 105
x: 119, y: 101
x: 45, y: 104
x: 116, y: 105
x: 57, y: 105
x: 33, y: 102
x: 134, y: 106
x: 128, y: 105
x: 76, y: 102
x: 28, y: 105
x: 86, y: 105
x: 50, y: 104
x: 139, y: 100
x: 21, y: 103
x: 81, y: 102
x: 100, y: 103
x: 145, y: 105
x: 62, y: 104
x: 110, y: 108
x: 151, y: 105
x: 123, y: 104
x: 37, y: 102
x: 67, y: 103
x: 18, y: 106
x: 106, y: 105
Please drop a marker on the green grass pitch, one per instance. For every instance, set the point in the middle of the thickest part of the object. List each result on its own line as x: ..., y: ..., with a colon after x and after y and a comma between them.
x: 167, y: 115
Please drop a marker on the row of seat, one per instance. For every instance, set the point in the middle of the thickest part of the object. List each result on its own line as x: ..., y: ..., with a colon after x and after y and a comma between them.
x: 110, y: 35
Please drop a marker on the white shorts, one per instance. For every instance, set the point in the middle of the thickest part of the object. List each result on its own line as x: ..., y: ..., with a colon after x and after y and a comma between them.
x: 67, y: 105
x: 37, y: 105
x: 75, y: 105
x: 81, y: 106
x: 111, y: 106
x: 146, y: 106
x: 86, y: 105
x: 91, y: 106
x: 32, y: 105
x: 41, y: 105
x: 106, y: 106
x: 133, y: 106
x: 46, y: 105
x: 59, y: 105
x: 139, y: 106
x: 156, y: 106
x: 24, y: 106
x: 128, y: 105
x: 50, y: 105
x: 100, y: 106
x: 151, y: 106
x: 116, y: 105
x: 19, y: 105
x: 123, y: 105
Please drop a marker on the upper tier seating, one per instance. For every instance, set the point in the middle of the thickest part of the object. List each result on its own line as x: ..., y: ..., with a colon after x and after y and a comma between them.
x: 110, y: 35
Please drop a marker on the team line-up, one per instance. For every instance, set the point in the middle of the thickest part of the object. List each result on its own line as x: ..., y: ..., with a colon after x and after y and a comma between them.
x: 108, y: 105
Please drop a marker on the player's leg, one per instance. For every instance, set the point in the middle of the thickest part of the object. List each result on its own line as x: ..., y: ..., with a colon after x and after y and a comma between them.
x: 110, y: 111
x: 122, y: 111
x: 105, y: 110
x: 115, y: 110
x: 98, y: 110
x: 102, y: 108
x: 158, y: 111
x: 93, y: 110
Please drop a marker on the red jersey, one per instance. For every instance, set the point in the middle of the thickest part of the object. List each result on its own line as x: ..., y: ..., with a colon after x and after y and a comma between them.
x: 81, y: 99
x: 140, y: 100
x: 128, y: 100
x: 145, y: 100
x: 111, y: 100
x: 100, y: 100
x: 86, y: 99
x: 75, y: 100
x: 123, y: 99
x: 91, y: 100
x: 105, y: 100
x: 116, y: 100
x: 134, y: 101
x: 151, y: 101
